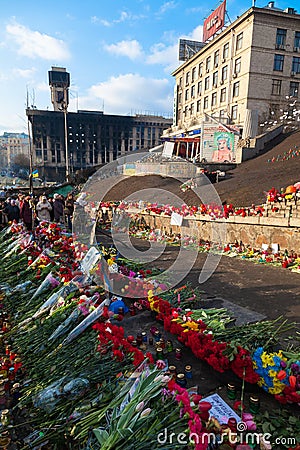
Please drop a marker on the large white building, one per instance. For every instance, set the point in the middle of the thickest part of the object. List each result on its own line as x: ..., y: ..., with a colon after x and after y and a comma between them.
x: 247, y: 74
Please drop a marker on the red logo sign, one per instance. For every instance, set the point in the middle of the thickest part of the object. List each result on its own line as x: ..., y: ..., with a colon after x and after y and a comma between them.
x: 214, y: 22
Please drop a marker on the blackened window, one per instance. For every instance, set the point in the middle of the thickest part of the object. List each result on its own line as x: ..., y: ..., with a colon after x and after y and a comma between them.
x: 276, y: 87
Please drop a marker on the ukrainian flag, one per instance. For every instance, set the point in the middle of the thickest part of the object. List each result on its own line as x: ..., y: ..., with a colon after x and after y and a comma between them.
x: 35, y: 174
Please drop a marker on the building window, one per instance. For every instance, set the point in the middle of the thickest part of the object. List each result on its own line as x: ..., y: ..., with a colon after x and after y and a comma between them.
x: 180, y: 82
x: 205, y: 103
x: 223, y: 95
x: 179, y: 97
x: 187, y: 78
x: 215, y: 79
x: 198, y: 105
x: 193, y: 91
x: 200, y: 72
x: 192, y: 109
x: 294, y: 89
x: 278, y: 62
x: 222, y: 113
x: 224, y: 73
x: 296, y: 64
x: 276, y: 87
x: 280, y: 38
x: 214, y: 99
x: 199, y: 89
x: 216, y: 58
x: 234, y: 112
x: 239, y: 41
x: 193, y: 74
x: 185, y: 112
x: 206, y: 83
x: 237, y: 65
x: 186, y: 97
x: 207, y: 65
x: 226, y: 51
x: 236, y: 89
x: 297, y: 40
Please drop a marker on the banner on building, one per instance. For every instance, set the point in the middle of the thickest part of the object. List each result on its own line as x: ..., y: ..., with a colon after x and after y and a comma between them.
x: 214, y: 22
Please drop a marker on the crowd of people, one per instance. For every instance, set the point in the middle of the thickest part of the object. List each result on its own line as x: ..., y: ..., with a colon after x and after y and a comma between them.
x: 32, y: 209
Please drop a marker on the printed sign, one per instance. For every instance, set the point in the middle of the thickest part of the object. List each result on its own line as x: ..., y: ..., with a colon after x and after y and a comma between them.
x: 90, y: 260
x: 214, y: 22
x: 176, y: 219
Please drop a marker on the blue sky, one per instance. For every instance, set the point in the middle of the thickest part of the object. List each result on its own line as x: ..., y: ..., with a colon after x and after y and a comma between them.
x: 120, y: 54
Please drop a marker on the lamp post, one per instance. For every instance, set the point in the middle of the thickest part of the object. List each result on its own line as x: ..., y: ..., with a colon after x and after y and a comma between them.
x: 30, y: 160
x: 64, y: 106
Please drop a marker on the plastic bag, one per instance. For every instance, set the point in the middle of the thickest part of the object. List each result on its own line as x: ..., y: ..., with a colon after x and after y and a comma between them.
x: 48, y: 398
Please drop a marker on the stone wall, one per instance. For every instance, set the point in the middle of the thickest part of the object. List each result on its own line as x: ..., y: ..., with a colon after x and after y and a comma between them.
x: 252, y: 230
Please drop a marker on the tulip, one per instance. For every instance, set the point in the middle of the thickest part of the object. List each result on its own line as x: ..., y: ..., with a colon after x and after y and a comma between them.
x: 146, y: 412
x: 292, y: 381
x: 281, y: 375
x: 140, y: 406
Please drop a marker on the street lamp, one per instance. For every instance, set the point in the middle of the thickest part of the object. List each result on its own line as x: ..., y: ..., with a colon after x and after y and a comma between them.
x: 64, y: 107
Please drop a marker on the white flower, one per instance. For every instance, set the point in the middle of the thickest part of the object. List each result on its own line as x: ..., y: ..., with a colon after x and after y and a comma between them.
x: 140, y: 406
x: 146, y: 412
x: 158, y: 378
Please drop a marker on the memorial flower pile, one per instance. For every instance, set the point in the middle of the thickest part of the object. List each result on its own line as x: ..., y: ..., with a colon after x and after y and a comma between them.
x: 243, y: 349
x: 80, y: 379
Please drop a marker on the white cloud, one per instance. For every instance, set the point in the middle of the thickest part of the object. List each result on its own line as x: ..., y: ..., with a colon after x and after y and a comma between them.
x: 35, y: 44
x: 130, y: 93
x: 43, y: 87
x: 167, y: 6
x: 124, y: 16
x: 197, y: 33
x: 167, y: 56
x: 132, y: 49
x: 25, y: 73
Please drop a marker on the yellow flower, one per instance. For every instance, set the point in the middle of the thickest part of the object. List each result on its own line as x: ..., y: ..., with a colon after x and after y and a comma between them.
x: 272, y: 373
x: 191, y: 325
x: 261, y: 382
x: 267, y: 360
x: 275, y: 390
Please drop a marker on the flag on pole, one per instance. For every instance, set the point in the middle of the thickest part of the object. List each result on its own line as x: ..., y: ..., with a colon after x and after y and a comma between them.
x: 35, y: 174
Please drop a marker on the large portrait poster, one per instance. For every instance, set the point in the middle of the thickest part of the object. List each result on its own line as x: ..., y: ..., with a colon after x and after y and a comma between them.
x: 224, y: 149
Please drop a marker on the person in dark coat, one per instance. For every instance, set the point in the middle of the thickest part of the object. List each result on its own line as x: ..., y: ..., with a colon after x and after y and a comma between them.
x: 12, y: 211
x: 26, y: 212
x: 69, y: 209
x: 58, y: 208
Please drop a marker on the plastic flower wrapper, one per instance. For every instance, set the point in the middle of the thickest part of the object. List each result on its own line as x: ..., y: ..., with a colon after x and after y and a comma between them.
x: 49, y: 283
x: 72, y: 286
x: 73, y: 317
x: 12, y: 248
x: 91, y: 318
x: 22, y: 287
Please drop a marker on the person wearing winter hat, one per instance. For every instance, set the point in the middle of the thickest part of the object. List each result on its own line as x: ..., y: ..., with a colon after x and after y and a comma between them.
x: 43, y: 209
